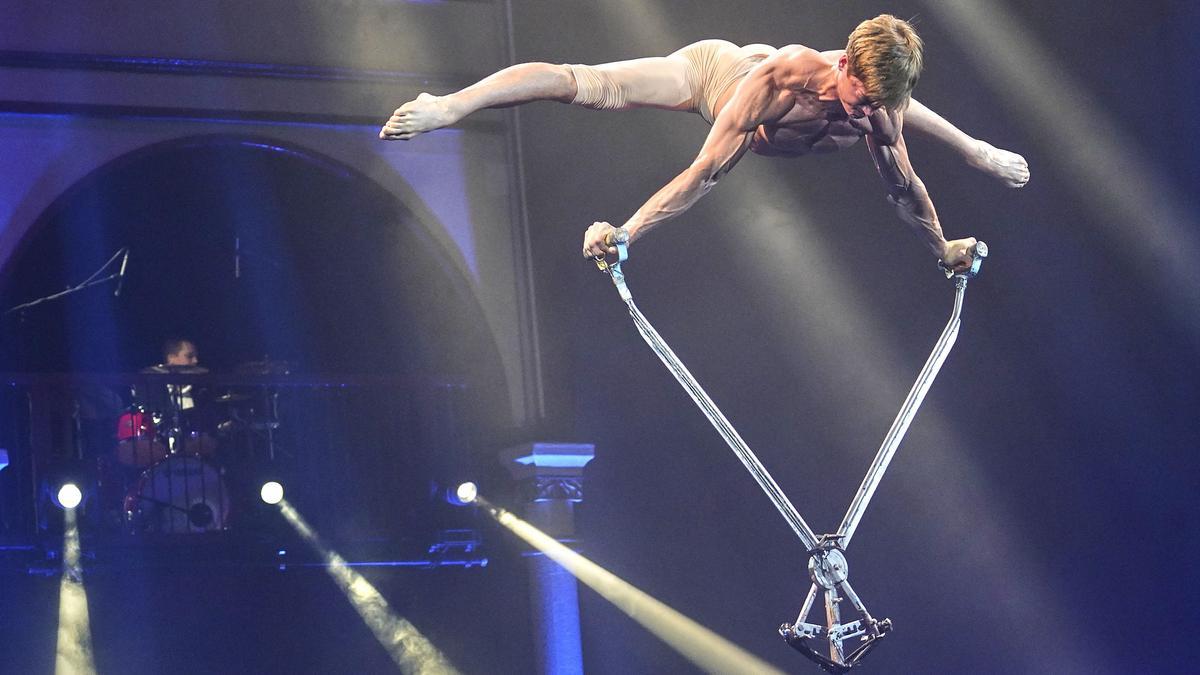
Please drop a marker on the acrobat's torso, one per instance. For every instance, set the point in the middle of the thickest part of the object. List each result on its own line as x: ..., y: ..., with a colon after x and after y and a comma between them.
x: 812, y: 125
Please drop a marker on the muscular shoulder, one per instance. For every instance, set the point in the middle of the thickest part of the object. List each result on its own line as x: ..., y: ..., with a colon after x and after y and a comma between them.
x: 794, y: 66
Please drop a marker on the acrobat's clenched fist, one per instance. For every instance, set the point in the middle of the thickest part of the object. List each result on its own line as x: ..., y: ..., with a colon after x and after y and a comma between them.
x: 598, y: 240
x: 959, y: 255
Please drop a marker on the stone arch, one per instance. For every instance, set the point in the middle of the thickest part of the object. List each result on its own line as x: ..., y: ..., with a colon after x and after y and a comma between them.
x: 453, y: 283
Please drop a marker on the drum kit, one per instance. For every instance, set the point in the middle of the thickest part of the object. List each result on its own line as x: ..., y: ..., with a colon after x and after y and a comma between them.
x: 172, y: 449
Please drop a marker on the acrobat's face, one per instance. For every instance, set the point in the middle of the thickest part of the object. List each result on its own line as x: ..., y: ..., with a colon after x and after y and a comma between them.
x: 853, y: 93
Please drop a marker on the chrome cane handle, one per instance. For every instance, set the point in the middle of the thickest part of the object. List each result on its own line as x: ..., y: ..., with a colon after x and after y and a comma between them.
x: 978, y: 253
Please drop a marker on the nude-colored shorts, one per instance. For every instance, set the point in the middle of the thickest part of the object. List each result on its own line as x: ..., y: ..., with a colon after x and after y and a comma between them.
x: 717, y: 65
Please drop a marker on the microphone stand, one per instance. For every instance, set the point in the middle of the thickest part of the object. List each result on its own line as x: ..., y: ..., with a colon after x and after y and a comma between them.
x: 86, y: 283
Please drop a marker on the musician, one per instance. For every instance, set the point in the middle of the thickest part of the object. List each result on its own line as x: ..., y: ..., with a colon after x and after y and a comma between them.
x: 180, y: 405
x: 179, y: 356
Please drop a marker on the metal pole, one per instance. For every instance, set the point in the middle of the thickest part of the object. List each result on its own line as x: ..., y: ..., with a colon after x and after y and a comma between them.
x: 908, y: 411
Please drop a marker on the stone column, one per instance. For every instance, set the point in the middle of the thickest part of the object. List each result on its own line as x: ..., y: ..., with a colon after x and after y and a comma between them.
x: 551, y: 477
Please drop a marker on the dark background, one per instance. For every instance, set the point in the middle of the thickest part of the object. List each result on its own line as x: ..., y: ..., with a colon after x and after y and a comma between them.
x: 1040, y: 515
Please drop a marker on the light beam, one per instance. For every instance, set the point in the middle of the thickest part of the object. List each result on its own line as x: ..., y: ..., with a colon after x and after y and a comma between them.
x: 409, y: 649
x: 1110, y: 173
x: 73, y: 653
x: 701, y: 646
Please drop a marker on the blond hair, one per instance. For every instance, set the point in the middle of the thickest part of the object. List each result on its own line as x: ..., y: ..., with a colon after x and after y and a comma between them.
x: 886, y: 54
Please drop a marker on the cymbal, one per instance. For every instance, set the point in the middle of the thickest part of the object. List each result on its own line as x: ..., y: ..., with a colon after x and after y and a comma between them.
x: 180, y: 370
x: 231, y: 397
x: 264, y: 368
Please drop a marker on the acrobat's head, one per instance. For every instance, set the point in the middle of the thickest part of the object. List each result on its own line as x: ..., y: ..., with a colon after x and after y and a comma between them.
x: 881, y: 66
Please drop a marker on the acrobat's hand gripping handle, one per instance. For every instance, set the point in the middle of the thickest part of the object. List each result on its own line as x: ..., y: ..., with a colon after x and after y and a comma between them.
x: 619, y: 237
x: 978, y: 253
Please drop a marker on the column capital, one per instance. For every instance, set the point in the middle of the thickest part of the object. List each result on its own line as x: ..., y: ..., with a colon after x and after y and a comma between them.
x: 549, y: 471
x: 547, y: 460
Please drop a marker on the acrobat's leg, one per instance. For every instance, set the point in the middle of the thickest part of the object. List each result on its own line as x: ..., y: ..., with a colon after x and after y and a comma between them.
x: 659, y: 82
x: 1008, y: 167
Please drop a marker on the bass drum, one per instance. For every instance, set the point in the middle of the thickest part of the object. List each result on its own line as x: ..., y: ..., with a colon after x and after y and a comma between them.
x: 179, y: 495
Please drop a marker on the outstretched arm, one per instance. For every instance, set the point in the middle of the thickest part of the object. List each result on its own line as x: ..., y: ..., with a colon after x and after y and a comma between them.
x: 725, y: 145
x: 908, y: 194
x: 756, y: 100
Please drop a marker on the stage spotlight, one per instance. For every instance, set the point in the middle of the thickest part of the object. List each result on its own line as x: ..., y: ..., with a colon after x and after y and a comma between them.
x: 272, y: 492
x: 466, y: 493
x: 69, y: 496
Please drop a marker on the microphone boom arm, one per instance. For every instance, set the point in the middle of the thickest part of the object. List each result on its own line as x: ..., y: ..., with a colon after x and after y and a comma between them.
x: 93, y: 280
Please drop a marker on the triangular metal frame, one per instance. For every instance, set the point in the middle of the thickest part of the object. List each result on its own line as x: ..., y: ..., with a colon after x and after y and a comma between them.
x: 827, y: 564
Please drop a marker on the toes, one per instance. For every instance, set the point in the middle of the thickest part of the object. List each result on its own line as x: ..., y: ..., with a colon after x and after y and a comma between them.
x: 395, y: 134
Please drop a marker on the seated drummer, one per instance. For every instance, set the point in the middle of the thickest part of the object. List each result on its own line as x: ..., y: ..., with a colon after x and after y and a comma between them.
x: 179, y: 356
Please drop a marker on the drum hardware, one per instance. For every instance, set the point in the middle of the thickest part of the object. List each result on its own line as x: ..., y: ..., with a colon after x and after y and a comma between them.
x: 177, y: 370
x: 199, y: 515
x: 264, y: 367
x: 262, y: 416
x: 181, y: 489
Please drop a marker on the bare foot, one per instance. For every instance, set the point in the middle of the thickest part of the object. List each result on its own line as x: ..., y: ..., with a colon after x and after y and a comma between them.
x: 1009, y: 167
x: 426, y: 113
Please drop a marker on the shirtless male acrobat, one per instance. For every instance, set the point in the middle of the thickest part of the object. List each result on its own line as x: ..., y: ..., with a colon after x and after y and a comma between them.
x: 790, y: 101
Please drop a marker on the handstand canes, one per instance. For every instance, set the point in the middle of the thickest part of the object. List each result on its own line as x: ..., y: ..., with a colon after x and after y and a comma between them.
x: 827, y: 563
